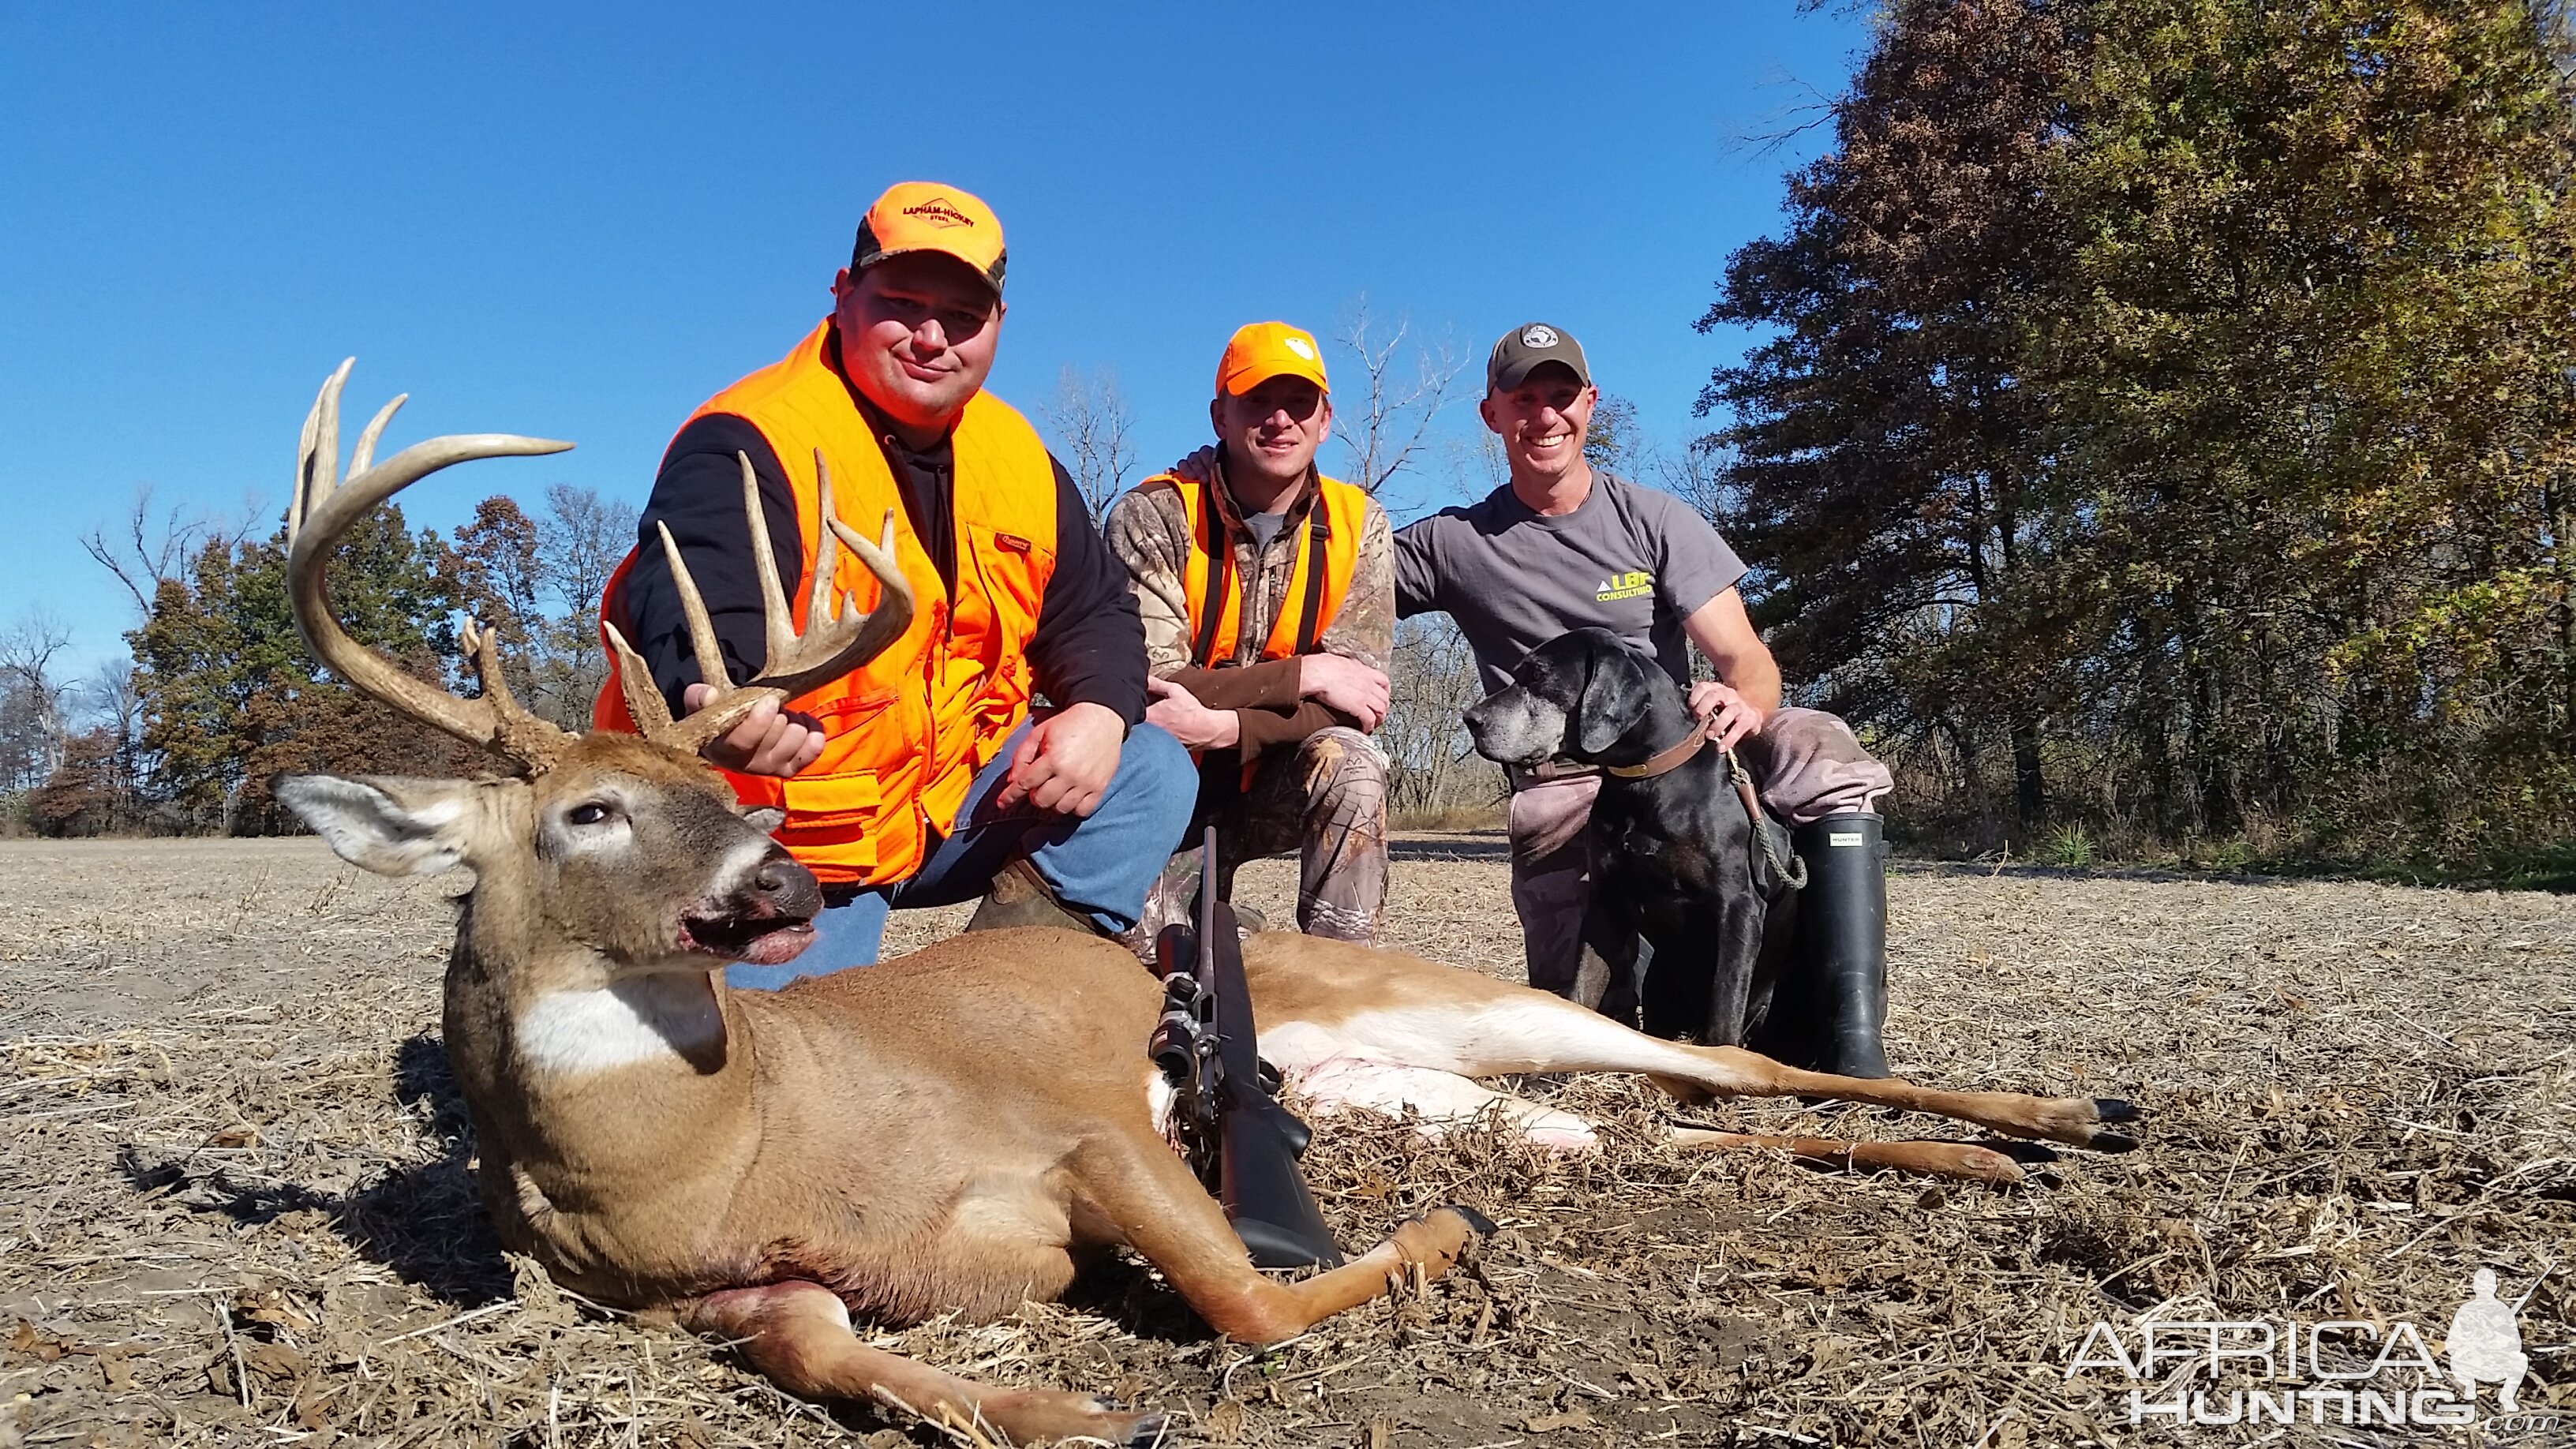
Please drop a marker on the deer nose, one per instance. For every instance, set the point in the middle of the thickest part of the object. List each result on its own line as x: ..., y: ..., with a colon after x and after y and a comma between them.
x: 789, y: 889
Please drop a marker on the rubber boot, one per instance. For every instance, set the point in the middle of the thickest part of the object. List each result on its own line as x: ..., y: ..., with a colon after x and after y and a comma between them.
x: 1840, y: 958
x: 1018, y: 898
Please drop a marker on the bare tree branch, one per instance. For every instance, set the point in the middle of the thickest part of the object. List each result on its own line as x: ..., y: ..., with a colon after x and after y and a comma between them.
x: 1092, y: 425
x: 149, y: 548
x: 1404, y: 390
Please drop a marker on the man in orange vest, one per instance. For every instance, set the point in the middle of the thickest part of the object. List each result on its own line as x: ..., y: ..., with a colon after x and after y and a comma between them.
x: 920, y: 777
x: 1268, y: 597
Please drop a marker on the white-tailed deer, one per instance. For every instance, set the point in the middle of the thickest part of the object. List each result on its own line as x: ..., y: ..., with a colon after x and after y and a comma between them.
x: 941, y: 1132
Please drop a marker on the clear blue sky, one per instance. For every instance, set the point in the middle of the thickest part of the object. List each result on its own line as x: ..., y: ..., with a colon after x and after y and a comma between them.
x: 579, y: 220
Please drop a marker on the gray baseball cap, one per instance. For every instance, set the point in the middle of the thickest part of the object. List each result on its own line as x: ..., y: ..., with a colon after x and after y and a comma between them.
x: 1529, y: 346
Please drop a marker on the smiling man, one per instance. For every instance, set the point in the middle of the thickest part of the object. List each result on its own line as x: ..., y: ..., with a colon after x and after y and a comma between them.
x: 1268, y: 598
x: 1564, y: 546
x: 921, y: 777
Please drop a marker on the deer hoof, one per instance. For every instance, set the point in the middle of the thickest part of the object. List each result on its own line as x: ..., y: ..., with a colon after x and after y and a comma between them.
x: 2112, y: 1109
x: 1148, y: 1432
x: 2113, y: 1142
x: 1483, y: 1225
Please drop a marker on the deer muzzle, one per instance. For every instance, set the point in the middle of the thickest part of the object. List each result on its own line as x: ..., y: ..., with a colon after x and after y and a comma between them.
x: 766, y: 918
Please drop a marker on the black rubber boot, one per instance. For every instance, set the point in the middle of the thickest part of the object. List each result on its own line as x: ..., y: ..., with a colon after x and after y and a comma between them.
x: 1840, y: 959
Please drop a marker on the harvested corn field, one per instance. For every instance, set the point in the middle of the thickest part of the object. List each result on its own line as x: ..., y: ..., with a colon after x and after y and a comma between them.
x: 236, y: 1204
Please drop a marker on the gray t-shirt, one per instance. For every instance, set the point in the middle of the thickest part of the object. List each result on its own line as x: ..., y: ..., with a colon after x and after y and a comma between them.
x: 1630, y: 559
x: 1263, y: 527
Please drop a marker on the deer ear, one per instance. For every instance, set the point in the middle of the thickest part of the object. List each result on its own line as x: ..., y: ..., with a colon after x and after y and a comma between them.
x: 1614, y: 699
x: 392, y: 827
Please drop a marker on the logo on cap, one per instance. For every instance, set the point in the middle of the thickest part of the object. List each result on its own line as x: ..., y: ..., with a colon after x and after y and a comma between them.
x: 1538, y: 335
x: 1298, y: 345
x: 938, y: 209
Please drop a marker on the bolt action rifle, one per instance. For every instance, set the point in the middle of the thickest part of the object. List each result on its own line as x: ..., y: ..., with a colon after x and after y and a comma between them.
x: 1243, y: 1143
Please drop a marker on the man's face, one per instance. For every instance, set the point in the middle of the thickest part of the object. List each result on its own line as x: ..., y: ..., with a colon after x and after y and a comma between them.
x: 917, y: 336
x: 1275, y: 428
x: 1543, y: 421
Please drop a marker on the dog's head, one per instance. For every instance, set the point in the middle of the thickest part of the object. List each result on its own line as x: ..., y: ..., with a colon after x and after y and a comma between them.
x: 1577, y: 696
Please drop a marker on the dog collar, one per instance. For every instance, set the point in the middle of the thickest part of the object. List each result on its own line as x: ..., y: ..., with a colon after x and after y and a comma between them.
x: 1682, y: 753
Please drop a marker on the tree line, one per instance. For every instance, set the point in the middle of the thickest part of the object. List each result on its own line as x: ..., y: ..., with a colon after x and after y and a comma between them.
x: 2162, y: 439
x: 2163, y: 436
x: 221, y: 694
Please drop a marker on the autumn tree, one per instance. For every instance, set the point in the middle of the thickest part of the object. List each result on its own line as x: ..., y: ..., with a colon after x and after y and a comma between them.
x: 2182, y: 388
x: 1884, y: 437
x: 2311, y: 374
x: 230, y: 697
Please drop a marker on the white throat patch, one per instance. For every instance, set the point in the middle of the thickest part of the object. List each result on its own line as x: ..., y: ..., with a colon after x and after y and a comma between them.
x: 624, y: 1024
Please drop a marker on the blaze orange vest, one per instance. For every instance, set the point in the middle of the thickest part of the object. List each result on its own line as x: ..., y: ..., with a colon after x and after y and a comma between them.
x: 1328, y: 553
x: 905, y: 733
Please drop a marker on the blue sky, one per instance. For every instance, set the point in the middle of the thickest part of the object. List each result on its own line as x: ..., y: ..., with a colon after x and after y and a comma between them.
x: 578, y: 221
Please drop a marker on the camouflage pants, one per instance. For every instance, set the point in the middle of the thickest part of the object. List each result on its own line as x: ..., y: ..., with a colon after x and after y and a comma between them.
x: 1326, y: 800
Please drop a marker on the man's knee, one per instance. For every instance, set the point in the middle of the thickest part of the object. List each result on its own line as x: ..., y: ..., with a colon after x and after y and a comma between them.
x: 1811, y: 765
x: 1156, y: 773
x: 1343, y: 770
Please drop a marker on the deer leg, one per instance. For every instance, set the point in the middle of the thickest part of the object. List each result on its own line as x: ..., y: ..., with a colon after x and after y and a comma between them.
x: 798, y: 1335
x: 1148, y: 1197
x: 1485, y: 1032
x: 1441, y: 1100
x: 1963, y: 1161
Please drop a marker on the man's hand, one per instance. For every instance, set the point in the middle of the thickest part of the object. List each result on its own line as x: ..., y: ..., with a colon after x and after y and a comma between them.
x: 1344, y: 684
x: 1198, y: 467
x: 767, y: 742
x: 1192, y: 723
x: 1730, y: 715
x: 1064, y: 764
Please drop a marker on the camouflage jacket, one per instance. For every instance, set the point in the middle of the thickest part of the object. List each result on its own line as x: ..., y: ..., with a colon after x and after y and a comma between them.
x: 1149, y: 531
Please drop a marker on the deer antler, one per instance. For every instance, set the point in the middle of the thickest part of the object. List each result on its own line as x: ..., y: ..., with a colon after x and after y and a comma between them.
x: 832, y: 645
x: 325, y: 507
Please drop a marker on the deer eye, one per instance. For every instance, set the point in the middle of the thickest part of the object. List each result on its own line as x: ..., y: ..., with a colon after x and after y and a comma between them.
x: 588, y: 813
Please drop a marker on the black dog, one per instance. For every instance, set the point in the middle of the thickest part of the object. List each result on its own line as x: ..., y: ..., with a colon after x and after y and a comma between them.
x: 1679, y: 856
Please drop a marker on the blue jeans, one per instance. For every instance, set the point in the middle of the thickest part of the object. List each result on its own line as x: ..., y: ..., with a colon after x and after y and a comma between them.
x: 1097, y: 865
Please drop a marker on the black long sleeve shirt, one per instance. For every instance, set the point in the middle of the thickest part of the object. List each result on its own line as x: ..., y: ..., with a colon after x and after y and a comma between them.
x: 1088, y: 646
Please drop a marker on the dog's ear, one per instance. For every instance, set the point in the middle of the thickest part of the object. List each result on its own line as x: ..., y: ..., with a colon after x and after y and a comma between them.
x: 1614, y: 699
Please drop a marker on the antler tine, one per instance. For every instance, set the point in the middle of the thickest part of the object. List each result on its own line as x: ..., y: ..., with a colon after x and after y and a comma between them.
x: 776, y: 623
x: 831, y: 644
x: 836, y: 642
x: 644, y: 703
x: 324, y: 509
x: 363, y: 456
x: 693, y: 609
x: 317, y: 452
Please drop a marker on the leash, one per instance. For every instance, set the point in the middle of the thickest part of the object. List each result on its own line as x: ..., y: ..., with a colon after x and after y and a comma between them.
x: 1793, y: 871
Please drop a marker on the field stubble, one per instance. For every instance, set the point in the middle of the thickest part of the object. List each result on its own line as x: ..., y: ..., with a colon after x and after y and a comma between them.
x: 235, y: 1202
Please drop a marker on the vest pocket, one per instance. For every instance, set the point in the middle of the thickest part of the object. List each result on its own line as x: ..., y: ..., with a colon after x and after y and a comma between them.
x: 824, y: 802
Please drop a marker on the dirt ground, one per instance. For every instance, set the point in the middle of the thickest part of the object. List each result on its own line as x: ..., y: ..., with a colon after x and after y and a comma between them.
x: 235, y: 1205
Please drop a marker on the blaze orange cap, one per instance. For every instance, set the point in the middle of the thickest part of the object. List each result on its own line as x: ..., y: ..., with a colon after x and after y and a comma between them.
x: 924, y: 216
x: 1264, y: 350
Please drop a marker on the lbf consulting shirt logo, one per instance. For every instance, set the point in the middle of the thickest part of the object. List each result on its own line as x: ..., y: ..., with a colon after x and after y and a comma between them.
x: 2331, y: 1371
x: 1630, y: 584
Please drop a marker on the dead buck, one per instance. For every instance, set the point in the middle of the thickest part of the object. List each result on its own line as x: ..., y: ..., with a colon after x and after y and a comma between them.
x: 942, y: 1132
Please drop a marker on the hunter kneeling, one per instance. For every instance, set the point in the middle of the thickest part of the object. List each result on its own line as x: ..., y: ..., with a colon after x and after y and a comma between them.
x: 1268, y: 597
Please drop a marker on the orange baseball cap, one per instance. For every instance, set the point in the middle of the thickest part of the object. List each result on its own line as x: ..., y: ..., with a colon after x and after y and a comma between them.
x: 924, y: 216
x: 1260, y: 351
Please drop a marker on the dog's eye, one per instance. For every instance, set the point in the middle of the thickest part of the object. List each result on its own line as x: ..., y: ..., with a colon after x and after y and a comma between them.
x: 588, y: 813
